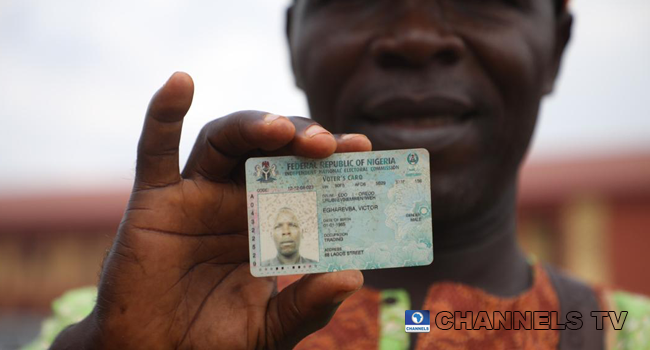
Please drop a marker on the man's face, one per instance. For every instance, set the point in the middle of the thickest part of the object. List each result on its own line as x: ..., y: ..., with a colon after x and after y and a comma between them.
x: 286, y: 233
x: 461, y: 78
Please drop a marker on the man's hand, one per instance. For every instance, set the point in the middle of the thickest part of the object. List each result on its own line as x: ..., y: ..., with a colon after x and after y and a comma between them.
x: 178, y: 274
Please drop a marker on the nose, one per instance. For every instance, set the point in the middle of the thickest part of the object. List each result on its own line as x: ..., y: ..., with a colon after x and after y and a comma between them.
x: 415, y: 37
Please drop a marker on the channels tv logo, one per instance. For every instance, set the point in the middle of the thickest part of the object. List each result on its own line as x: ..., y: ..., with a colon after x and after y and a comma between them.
x: 417, y: 321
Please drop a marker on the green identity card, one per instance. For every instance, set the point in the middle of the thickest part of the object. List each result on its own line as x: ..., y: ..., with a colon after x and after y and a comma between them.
x: 369, y: 210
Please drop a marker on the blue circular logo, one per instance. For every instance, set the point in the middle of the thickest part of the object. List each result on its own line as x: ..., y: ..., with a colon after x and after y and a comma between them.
x: 417, y: 317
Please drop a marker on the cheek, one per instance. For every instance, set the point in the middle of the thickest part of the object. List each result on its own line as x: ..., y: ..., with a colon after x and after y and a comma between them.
x: 326, y: 61
x: 515, y: 60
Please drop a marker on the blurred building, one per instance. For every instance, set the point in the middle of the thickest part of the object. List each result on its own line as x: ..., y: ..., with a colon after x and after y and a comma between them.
x: 590, y: 217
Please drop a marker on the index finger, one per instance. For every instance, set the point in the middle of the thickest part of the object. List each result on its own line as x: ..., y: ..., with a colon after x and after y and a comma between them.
x: 227, y: 142
x: 223, y: 143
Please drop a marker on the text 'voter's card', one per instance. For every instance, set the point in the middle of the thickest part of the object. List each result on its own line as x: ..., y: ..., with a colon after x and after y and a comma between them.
x: 369, y: 210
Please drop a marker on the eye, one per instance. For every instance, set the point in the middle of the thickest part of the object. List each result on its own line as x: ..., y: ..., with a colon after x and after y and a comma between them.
x: 492, y: 3
x: 338, y: 3
x: 515, y: 3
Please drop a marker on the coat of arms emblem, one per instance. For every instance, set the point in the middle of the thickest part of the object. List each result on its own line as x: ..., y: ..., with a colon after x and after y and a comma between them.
x: 265, y: 172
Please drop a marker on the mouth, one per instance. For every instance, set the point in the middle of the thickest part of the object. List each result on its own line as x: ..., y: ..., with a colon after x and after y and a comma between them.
x: 448, y: 124
x: 417, y: 111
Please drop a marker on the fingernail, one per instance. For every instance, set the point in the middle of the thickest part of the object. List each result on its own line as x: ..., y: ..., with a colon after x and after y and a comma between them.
x: 170, y: 78
x: 350, y: 136
x: 270, y: 118
x: 315, y: 130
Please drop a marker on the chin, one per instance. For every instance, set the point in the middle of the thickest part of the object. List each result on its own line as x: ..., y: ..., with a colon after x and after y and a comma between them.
x: 456, y: 197
x: 450, y: 202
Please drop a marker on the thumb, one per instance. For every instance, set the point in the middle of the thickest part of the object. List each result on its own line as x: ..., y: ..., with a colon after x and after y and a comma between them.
x: 307, y: 305
x: 157, y: 162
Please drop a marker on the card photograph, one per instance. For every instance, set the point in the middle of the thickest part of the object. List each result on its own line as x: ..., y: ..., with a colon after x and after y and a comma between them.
x: 288, y: 228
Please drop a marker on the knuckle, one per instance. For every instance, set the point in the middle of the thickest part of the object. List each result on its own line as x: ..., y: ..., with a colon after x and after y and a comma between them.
x: 245, y: 114
x: 303, y: 122
x: 234, y: 119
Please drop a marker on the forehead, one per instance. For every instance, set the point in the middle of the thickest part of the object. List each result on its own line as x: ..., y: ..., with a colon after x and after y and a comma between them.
x: 286, y: 215
x: 558, y: 5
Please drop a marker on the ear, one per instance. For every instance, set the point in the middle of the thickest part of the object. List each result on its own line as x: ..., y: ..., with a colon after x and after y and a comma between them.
x: 287, y: 25
x: 288, y: 28
x: 562, y: 37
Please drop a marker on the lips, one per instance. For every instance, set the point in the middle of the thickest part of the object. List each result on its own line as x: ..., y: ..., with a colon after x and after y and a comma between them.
x: 417, y: 110
x: 448, y: 124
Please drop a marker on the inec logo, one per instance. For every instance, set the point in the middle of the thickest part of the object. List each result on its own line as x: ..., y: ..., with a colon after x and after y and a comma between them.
x: 413, y: 159
x: 417, y: 321
x: 412, y: 169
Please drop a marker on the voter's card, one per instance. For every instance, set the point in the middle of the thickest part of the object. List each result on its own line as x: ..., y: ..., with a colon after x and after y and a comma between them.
x: 369, y: 210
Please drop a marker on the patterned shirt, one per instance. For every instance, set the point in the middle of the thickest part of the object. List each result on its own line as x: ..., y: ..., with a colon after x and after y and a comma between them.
x: 374, y: 319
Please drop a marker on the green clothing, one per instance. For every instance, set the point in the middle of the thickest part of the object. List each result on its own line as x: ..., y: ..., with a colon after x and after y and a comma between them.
x: 74, y: 305
x: 70, y: 308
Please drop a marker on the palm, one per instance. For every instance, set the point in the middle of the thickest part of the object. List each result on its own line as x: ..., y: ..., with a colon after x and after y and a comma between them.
x: 178, y: 274
x: 181, y: 254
